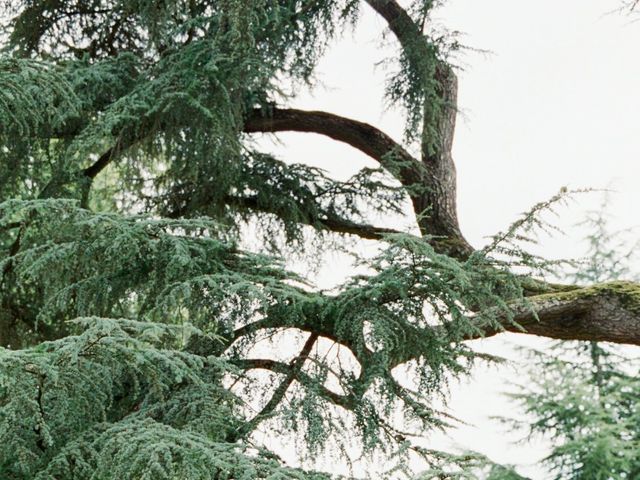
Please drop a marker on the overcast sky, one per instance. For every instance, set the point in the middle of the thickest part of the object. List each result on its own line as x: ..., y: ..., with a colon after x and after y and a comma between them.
x: 554, y: 104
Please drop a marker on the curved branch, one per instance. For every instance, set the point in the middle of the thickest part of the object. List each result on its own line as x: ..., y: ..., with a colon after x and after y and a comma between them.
x: 435, y: 194
x: 408, y: 33
x: 362, y: 136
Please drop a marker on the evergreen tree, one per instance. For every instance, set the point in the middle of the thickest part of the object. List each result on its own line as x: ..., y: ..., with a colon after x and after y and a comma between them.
x: 135, y: 310
x: 584, y: 396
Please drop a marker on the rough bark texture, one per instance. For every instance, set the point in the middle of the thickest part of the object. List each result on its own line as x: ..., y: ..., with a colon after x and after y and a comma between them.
x: 437, y: 201
x: 607, y: 312
x: 440, y: 193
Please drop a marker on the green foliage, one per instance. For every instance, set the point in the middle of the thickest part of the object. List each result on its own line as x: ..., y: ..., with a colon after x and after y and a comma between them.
x: 584, y: 397
x: 144, y: 338
x: 78, y: 263
x: 121, y: 400
x: 120, y: 388
x: 33, y: 96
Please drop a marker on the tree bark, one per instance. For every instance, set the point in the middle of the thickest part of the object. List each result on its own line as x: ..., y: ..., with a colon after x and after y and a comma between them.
x: 607, y: 312
x: 436, y: 202
x: 362, y: 136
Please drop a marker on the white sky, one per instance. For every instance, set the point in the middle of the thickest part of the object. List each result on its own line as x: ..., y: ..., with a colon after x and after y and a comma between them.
x: 556, y: 103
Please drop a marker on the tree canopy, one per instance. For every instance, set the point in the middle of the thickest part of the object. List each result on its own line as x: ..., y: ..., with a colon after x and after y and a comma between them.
x: 149, y: 320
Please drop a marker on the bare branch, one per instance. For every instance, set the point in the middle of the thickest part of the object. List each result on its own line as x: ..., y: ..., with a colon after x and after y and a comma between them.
x: 343, y: 401
x: 334, y: 224
x: 294, y: 369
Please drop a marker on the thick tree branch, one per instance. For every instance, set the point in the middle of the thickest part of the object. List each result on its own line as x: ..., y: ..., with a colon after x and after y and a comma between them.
x: 441, y: 180
x: 403, y: 27
x: 101, y: 163
x: 122, y: 143
x: 608, y: 312
x: 427, y: 195
x: 10, y: 226
x: 362, y: 136
x: 437, y: 198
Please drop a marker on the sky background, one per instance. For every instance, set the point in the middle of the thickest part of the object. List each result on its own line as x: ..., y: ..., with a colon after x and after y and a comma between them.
x: 553, y: 102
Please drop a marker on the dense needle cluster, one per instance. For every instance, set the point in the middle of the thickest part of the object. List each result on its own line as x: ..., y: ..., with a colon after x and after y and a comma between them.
x: 148, y: 322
